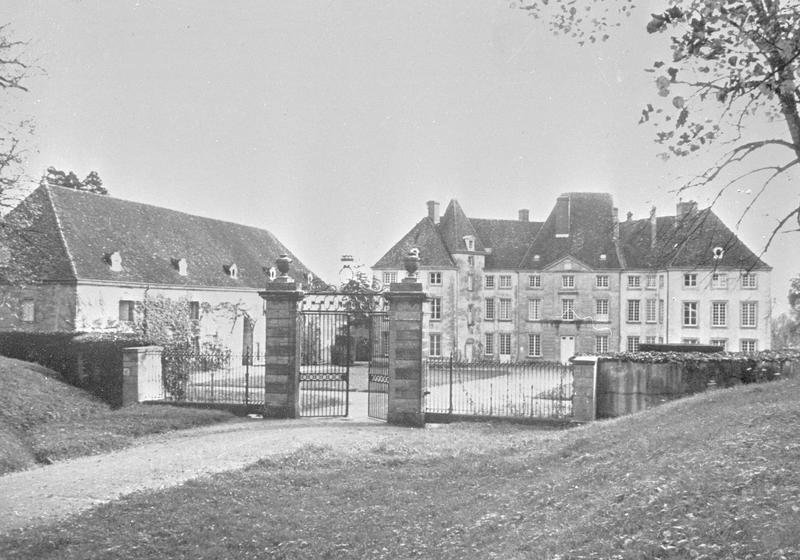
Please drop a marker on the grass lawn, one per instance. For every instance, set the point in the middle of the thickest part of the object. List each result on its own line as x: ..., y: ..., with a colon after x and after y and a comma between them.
x: 43, y: 419
x: 710, y: 476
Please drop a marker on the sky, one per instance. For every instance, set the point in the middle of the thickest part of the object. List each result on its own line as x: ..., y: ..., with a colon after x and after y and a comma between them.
x: 332, y: 123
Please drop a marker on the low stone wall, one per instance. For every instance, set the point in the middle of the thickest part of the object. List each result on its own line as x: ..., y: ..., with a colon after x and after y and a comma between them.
x: 624, y: 387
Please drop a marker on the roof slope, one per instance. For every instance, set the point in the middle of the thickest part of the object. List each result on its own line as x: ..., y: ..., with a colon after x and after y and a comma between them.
x: 455, y: 226
x: 507, y: 239
x: 151, y: 239
x: 591, y: 226
x: 425, y: 237
x: 685, y: 242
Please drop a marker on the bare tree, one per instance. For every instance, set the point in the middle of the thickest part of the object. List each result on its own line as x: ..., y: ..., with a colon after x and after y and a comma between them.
x: 734, y: 63
x: 14, y: 70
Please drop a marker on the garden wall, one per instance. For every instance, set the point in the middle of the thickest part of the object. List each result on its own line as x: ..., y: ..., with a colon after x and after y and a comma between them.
x: 632, y: 382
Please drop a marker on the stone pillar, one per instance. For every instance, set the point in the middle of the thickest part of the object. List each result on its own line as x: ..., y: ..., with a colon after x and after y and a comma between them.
x: 405, y: 353
x: 281, y: 349
x: 141, y: 374
x: 584, y: 389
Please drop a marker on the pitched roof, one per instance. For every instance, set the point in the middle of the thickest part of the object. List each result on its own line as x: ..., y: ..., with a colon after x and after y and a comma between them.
x: 425, y: 237
x: 150, y: 240
x: 685, y: 242
x: 507, y: 239
x: 591, y: 225
x: 455, y: 226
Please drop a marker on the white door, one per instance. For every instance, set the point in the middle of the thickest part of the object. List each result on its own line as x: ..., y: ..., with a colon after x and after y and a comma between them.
x: 567, y: 348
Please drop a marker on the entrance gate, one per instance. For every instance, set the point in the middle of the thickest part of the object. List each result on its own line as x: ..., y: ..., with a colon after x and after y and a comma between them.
x: 337, y: 330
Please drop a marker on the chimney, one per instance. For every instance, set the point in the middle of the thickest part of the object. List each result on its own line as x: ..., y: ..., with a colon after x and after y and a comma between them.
x: 524, y: 215
x: 685, y: 208
x: 562, y: 216
x: 629, y: 217
x: 653, y: 227
x: 433, y: 211
x: 615, y: 220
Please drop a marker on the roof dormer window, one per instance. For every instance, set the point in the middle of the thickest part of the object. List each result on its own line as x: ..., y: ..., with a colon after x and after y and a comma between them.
x: 536, y: 258
x: 272, y: 273
x: 231, y: 270
x: 181, y: 266
x: 114, y: 261
x: 718, y: 253
x: 469, y: 240
x: 603, y: 256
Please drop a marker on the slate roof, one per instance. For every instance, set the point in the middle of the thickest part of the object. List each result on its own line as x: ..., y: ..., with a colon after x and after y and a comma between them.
x: 507, y: 239
x: 591, y: 225
x: 78, y: 230
x: 511, y: 244
x: 686, y: 242
x: 424, y: 236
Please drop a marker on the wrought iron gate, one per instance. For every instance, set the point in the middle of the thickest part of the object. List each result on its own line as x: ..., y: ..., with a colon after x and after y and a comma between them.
x: 336, y: 330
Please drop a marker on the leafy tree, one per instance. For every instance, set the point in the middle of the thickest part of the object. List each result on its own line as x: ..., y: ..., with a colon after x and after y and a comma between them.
x: 786, y: 326
x: 14, y: 131
x: 57, y: 178
x: 734, y: 62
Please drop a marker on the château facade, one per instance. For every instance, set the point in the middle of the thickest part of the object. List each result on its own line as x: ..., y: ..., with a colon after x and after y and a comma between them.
x: 583, y: 282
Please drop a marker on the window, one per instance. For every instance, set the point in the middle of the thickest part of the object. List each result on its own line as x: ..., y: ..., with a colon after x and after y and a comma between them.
x: 488, y: 281
x: 650, y: 339
x: 534, y: 309
x: 633, y: 311
x: 505, y: 281
x: 194, y: 310
x: 749, y: 280
x: 633, y: 344
x: 488, y: 309
x: 389, y: 277
x: 534, y: 345
x: 471, y: 260
x: 660, y: 280
x: 690, y: 341
x: 650, y: 311
x: 28, y: 311
x: 634, y: 282
x: 505, y: 309
x: 651, y: 281
x: 749, y: 314
x: 690, y: 280
x: 568, y: 281
x: 719, y: 280
x: 488, y: 344
x: 660, y: 311
x: 721, y: 342
x: 436, y: 308
x: 601, y: 281
x: 435, y: 278
x: 719, y: 313
x: 505, y: 344
x: 126, y: 310
x: 568, y: 309
x: 435, y: 348
x: 470, y: 282
x: 689, y: 313
x: 534, y: 281
x: 601, y: 344
x: 748, y: 345
x: 470, y: 242
x: 601, y: 309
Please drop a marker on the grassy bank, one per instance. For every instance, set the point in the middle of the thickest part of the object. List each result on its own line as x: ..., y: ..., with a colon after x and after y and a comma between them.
x: 711, y: 476
x: 43, y: 419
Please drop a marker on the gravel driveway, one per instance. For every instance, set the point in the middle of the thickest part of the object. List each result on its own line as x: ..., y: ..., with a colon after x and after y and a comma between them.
x: 55, y: 491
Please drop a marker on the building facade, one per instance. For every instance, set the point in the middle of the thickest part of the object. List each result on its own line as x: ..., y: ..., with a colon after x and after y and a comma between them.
x: 583, y: 282
x: 73, y: 261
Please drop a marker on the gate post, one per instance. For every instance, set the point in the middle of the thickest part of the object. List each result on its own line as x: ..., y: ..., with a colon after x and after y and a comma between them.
x: 405, y: 353
x: 282, y: 345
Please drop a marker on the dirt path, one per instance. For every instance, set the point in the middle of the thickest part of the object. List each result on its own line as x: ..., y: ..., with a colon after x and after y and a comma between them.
x: 52, y: 492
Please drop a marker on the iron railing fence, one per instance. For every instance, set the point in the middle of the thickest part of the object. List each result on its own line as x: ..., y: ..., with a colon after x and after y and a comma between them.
x: 219, y: 377
x: 541, y: 390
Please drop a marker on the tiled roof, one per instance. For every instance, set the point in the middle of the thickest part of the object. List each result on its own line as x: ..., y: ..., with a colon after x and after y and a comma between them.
x: 454, y: 226
x: 684, y: 243
x: 507, y: 239
x: 425, y: 237
x: 591, y: 225
x: 150, y: 240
